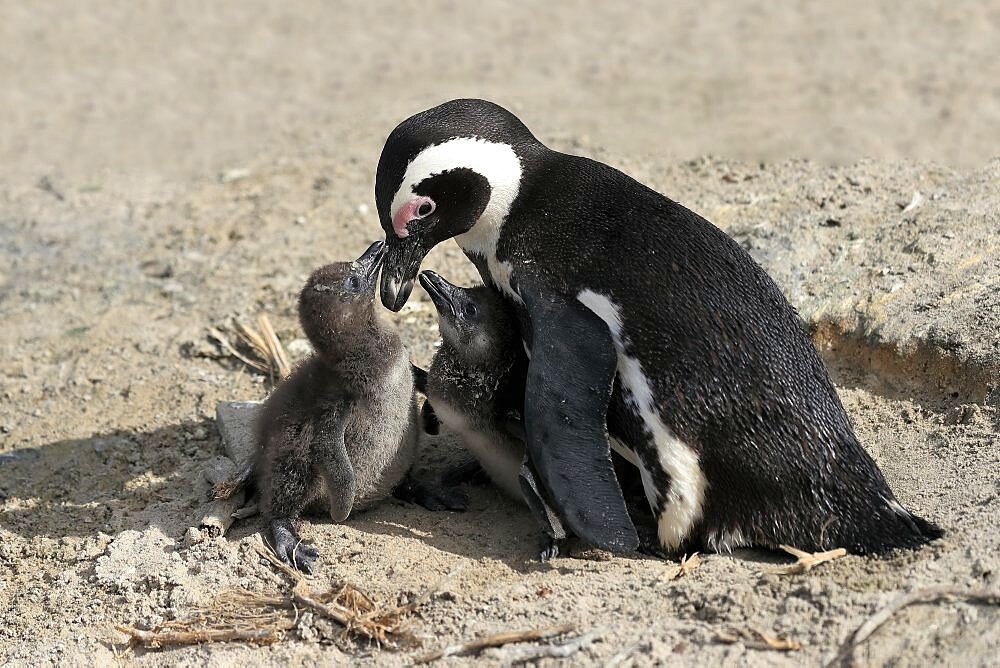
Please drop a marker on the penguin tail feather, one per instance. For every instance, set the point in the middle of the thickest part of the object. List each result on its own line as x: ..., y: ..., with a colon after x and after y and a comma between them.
x: 900, y: 530
x: 927, y: 529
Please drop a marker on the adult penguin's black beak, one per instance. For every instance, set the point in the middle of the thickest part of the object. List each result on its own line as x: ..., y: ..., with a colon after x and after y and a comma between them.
x: 399, y: 269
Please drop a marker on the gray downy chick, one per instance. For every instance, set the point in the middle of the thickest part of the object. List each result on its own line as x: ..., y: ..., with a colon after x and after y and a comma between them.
x: 475, y: 382
x: 475, y: 385
x: 339, y: 434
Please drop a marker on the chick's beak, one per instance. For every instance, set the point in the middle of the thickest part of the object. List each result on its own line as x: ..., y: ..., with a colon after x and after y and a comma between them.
x: 439, y: 290
x: 370, y: 261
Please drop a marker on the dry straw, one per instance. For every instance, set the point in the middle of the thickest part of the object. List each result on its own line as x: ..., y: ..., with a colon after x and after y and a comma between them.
x: 241, y: 615
x: 259, y: 348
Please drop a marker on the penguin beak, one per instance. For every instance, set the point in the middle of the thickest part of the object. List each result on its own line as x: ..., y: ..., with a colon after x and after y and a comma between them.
x: 399, y: 270
x: 440, y: 291
x: 370, y: 261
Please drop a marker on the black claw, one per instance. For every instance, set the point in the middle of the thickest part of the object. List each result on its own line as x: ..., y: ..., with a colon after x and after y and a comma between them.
x: 289, y: 547
x: 304, y: 557
x: 548, y: 548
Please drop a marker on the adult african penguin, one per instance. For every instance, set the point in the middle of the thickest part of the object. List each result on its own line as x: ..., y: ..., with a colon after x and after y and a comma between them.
x: 727, y: 409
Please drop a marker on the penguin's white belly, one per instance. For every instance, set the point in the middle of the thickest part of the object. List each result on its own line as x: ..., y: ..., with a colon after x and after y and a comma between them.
x: 679, y: 507
x: 499, y: 456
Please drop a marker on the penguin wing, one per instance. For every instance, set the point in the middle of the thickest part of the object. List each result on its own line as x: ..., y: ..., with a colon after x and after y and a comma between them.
x: 330, y: 451
x: 570, y: 376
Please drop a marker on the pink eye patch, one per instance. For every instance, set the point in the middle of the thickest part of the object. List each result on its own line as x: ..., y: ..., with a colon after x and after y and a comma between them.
x: 408, y: 213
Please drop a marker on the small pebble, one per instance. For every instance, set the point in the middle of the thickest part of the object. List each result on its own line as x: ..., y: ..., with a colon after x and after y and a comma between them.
x: 171, y: 288
x: 234, y: 174
x: 157, y: 269
x: 192, y: 537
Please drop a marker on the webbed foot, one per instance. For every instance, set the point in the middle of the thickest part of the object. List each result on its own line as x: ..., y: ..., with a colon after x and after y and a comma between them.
x: 290, y: 548
x: 549, y: 547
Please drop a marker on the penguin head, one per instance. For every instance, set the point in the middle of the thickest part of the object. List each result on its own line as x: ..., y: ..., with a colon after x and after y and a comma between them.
x: 338, y: 298
x: 451, y: 170
x: 475, y: 322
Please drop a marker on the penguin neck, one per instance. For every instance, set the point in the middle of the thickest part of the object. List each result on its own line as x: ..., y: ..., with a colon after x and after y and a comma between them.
x: 485, y: 374
x: 493, y: 271
x: 367, y: 358
x: 503, y: 170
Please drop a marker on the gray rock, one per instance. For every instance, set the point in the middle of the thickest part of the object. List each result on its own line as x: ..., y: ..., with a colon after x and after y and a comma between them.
x: 235, y: 421
x: 918, y: 283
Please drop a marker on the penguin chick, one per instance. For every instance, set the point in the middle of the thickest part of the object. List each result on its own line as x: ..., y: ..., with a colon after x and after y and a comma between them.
x: 476, y: 380
x: 476, y: 385
x: 340, y: 432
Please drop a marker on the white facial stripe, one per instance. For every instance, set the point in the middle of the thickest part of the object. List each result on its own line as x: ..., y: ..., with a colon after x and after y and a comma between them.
x: 498, y: 164
x: 687, y: 481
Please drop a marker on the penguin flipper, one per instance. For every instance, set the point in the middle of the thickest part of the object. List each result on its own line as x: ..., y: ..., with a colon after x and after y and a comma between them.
x: 570, y: 376
x: 330, y: 450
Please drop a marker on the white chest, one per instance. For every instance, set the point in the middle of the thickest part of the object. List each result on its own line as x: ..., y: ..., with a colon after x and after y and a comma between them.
x: 481, y: 240
x: 499, y: 455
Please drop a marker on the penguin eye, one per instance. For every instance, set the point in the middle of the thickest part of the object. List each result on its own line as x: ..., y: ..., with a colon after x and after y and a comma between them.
x: 353, y: 283
x: 469, y: 310
x: 426, y: 208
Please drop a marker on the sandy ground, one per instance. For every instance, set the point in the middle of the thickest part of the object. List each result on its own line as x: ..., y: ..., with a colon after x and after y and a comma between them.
x: 120, y: 245
x: 179, y: 88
